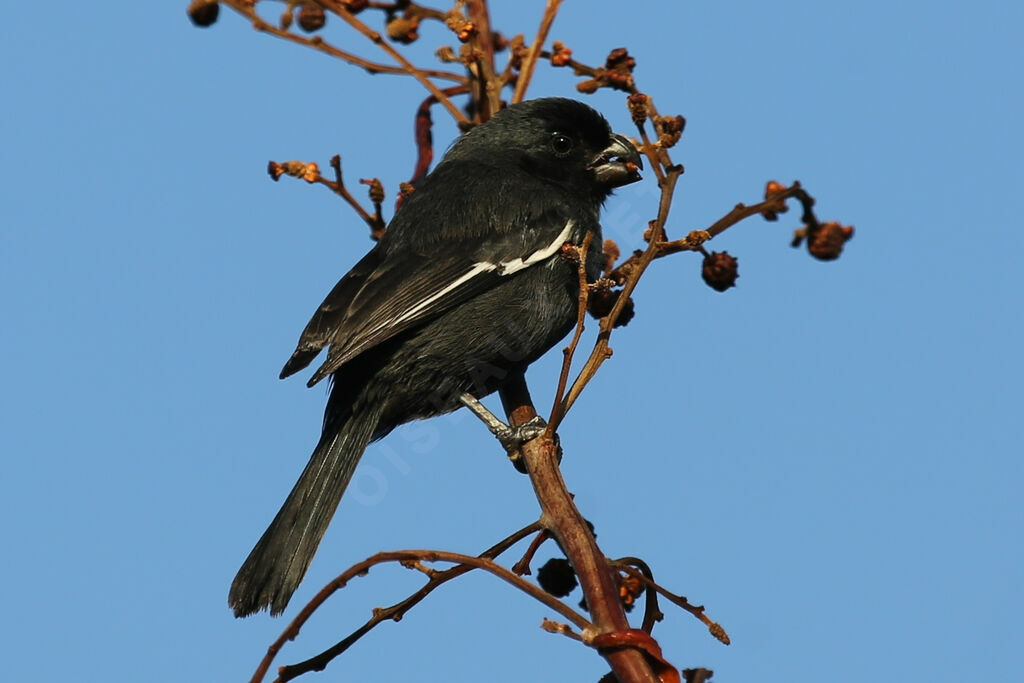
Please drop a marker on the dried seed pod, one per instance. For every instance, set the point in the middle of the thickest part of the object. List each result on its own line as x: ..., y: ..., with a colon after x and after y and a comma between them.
x: 601, y: 302
x: 311, y: 17
x: 557, y: 577
x: 826, y: 243
x: 720, y: 270
x: 203, y: 13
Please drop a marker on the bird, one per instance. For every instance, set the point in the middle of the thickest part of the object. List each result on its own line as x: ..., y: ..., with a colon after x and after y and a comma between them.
x: 466, y: 288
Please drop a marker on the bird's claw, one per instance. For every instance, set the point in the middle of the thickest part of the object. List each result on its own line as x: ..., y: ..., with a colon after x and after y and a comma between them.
x: 511, y: 438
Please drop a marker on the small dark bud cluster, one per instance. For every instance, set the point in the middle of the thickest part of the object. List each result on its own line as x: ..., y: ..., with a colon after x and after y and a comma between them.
x: 446, y: 54
x: 285, y: 22
x: 457, y: 23
x: 376, y: 189
x: 611, y: 254
x: 772, y: 190
x: 203, y: 13
x: 630, y: 588
x: 826, y: 243
x: 570, y: 253
x: 560, y: 54
x: 311, y: 17
x: 697, y: 675
x: 298, y: 169
x: 638, y: 107
x: 519, y: 51
x: 617, y: 73
x: 720, y: 270
x: 403, y: 29
x: 557, y: 577
x: 671, y: 128
x: 467, y: 31
x: 619, y: 60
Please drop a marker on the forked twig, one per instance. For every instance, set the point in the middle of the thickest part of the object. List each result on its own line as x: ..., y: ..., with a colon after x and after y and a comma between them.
x: 463, y: 564
x: 581, y: 315
x: 601, y: 351
x: 318, y: 43
x: 530, y: 61
x: 630, y: 565
x: 695, y: 240
x: 416, y: 73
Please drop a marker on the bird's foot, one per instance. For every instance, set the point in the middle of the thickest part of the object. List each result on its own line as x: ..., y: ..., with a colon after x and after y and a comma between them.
x: 510, y: 438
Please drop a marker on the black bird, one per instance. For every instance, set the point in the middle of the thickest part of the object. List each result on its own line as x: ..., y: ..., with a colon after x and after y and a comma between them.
x: 466, y: 288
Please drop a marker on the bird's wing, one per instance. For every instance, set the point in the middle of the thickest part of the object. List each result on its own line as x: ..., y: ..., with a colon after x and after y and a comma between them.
x: 384, y: 295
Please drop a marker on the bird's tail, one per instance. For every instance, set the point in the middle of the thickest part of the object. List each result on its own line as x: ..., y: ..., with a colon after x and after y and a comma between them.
x: 277, y: 564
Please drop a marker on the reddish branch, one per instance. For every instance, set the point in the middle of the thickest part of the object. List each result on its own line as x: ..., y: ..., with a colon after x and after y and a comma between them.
x: 522, y: 567
x: 411, y: 558
x: 424, y: 136
x: 560, y: 516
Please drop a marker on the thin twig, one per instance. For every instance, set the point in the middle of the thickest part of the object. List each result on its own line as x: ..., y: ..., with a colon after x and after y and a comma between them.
x: 601, y: 351
x: 559, y: 628
x: 695, y: 240
x: 650, y: 150
x: 530, y: 61
x: 337, y: 185
x: 416, y: 73
x: 318, y: 43
x: 464, y: 563
x: 522, y: 567
x: 567, y: 353
x: 652, y: 612
x: 625, y: 564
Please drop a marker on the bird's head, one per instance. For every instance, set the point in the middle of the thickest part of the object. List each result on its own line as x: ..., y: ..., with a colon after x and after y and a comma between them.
x: 559, y: 140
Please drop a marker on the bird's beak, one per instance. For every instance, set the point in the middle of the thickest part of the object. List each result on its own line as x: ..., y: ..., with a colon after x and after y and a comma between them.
x: 618, y: 164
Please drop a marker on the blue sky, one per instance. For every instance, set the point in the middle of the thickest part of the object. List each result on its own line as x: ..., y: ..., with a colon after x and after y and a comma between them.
x: 828, y: 456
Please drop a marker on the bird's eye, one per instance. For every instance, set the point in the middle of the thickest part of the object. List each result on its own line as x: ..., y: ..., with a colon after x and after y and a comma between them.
x: 561, y: 144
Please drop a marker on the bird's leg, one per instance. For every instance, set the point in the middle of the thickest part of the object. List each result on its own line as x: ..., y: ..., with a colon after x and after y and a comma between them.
x: 510, y: 438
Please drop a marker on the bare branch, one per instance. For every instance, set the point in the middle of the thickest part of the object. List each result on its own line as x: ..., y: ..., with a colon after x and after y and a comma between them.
x: 567, y: 525
x: 378, y: 39
x: 530, y: 62
x: 625, y: 564
x: 463, y: 564
x: 318, y: 43
x: 602, y: 351
x: 581, y: 315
